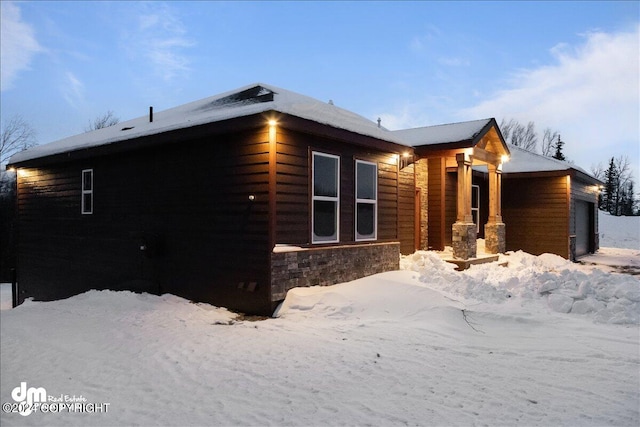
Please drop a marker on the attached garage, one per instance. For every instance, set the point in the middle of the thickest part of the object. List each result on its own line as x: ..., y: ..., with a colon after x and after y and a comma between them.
x: 549, y: 206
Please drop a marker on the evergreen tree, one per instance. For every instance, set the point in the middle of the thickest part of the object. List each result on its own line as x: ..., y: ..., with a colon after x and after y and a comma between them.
x: 610, y: 188
x: 558, y: 146
x: 618, y: 196
x: 629, y: 200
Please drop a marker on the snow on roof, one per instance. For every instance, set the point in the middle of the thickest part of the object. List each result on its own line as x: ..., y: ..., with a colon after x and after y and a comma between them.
x: 258, y: 98
x: 522, y: 160
x: 442, y: 134
x: 245, y: 101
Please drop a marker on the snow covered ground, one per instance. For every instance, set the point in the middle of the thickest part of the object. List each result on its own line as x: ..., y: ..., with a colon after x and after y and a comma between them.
x: 540, y: 342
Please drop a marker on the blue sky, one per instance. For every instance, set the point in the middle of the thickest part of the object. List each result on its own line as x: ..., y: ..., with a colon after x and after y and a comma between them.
x: 569, y: 66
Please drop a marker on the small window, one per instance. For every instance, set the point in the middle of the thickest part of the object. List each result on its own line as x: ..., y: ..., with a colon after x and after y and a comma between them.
x: 475, y: 206
x: 87, y: 191
x: 366, y: 200
x: 326, y: 198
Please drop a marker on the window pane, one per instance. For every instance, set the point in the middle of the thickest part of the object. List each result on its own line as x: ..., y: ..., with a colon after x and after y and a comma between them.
x: 86, y: 180
x: 475, y: 193
x: 325, y: 171
x: 324, y: 220
x: 366, y: 220
x: 366, y: 178
x: 87, y: 201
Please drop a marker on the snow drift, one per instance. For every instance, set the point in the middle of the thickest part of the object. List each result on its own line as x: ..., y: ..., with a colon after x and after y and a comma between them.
x: 564, y: 286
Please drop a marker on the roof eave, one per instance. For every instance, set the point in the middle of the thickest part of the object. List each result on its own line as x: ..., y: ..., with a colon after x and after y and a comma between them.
x: 144, y: 141
x: 256, y: 120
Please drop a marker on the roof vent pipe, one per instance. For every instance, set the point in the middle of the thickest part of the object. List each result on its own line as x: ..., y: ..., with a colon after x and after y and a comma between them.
x: 379, y: 121
x: 150, y: 114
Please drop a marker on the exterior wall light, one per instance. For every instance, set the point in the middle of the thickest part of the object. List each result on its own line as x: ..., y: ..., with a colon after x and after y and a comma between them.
x: 406, y: 159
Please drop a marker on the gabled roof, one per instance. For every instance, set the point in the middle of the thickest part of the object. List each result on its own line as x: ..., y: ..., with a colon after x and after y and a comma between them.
x: 482, y: 136
x: 524, y: 161
x: 248, y: 100
x: 443, y: 134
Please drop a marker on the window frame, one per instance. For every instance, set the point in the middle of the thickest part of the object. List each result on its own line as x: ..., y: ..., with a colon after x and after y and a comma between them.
x: 86, y: 192
x: 317, y: 240
x: 475, y: 210
x: 373, y: 202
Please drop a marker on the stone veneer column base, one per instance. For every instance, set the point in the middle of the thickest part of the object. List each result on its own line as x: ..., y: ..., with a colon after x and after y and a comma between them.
x: 463, y: 238
x: 495, y: 241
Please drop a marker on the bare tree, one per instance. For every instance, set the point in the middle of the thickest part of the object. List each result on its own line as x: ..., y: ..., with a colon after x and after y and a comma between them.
x: 16, y: 135
x: 507, y: 128
x: 548, y: 142
x: 519, y: 135
x: 103, y: 121
x: 598, y: 171
x: 525, y: 137
x: 623, y: 166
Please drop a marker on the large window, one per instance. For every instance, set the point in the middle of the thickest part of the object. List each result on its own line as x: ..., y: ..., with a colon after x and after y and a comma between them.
x: 87, y: 191
x: 366, y: 200
x: 326, y: 198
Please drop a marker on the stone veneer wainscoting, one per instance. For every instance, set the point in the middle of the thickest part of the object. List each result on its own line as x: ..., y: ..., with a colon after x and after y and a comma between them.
x: 323, y: 266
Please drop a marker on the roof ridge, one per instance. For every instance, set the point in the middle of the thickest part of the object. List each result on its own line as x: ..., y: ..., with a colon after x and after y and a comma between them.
x: 446, y: 124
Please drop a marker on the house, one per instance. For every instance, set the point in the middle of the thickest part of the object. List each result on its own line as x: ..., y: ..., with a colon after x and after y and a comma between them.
x: 237, y: 198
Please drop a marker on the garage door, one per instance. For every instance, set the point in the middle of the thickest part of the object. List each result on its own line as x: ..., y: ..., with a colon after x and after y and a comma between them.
x: 583, y: 227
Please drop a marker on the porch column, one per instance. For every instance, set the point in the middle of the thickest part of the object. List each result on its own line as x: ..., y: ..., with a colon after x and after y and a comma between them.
x: 494, y: 230
x: 464, y: 230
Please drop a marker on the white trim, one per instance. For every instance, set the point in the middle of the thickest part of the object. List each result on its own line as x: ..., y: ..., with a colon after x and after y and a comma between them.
x: 475, y: 212
x: 373, y: 202
x: 314, y: 198
x: 85, y: 192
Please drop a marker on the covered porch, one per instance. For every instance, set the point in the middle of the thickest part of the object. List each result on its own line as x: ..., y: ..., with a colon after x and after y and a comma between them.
x: 450, y: 153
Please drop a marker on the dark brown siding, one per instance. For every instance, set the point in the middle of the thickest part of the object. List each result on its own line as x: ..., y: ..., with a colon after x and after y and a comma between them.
x: 292, y: 189
x: 451, y: 205
x: 536, y: 214
x: 187, y: 204
x: 293, y: 186
x: 8, y: 229
x: 407, y: 210
x: 436, y: 203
